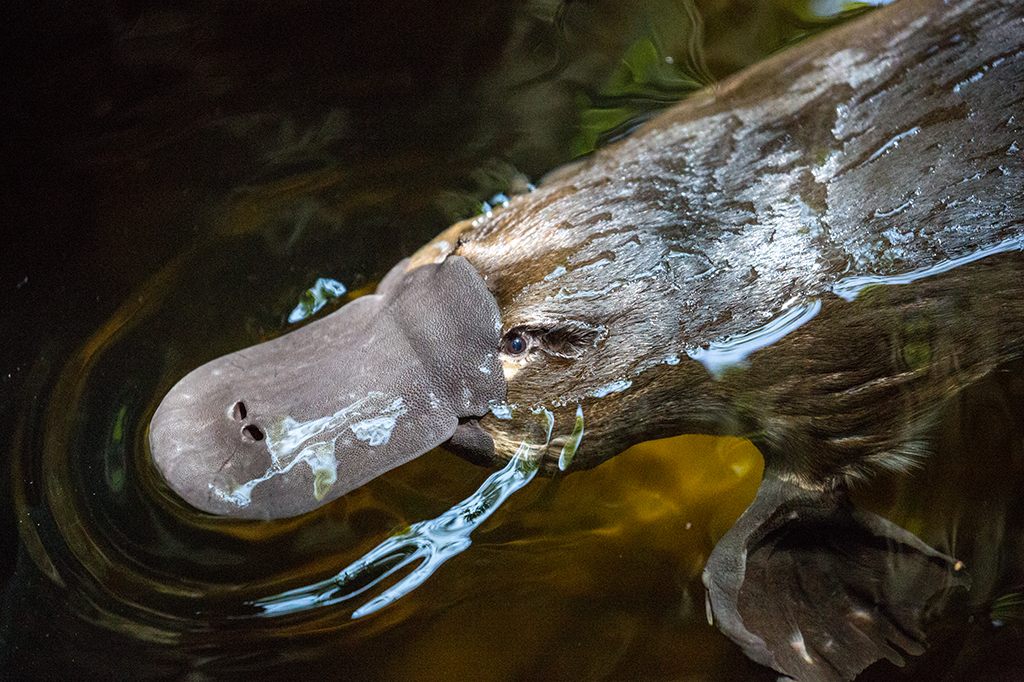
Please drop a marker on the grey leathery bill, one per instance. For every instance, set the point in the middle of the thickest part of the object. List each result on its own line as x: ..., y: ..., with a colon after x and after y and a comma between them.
x: 283, y: 427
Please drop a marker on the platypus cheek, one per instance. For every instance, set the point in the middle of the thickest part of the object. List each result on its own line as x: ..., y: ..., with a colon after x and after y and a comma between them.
x: 510, y: 369
x: 283, y: 427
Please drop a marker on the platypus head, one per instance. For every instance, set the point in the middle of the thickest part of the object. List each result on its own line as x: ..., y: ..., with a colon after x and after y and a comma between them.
x: 592, y: 319
x: 511, y: 329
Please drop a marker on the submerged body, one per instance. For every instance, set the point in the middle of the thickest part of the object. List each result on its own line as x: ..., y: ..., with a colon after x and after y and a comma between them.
x: 814, y: 254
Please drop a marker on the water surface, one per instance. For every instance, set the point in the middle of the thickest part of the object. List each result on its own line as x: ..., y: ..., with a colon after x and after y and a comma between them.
x: 185, y: 177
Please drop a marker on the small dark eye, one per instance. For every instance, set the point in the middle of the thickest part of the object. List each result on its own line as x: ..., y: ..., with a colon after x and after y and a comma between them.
x: 515, y: 345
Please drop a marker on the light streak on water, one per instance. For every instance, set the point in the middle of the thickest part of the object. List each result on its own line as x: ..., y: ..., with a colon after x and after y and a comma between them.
x: 431, y: 543
x: 733, y: 352
x: 849, y: 287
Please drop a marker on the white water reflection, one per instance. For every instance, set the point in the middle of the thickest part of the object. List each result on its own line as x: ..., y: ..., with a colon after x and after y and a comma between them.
x: 313, y: 442
x: 849, y: 287
x: 431, y: 543
x: 731, y: 352
x: 315, y: 298
x: 572, y: 443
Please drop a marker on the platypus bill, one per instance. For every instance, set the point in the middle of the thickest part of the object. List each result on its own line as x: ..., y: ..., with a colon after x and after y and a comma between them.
x: 814, y: 254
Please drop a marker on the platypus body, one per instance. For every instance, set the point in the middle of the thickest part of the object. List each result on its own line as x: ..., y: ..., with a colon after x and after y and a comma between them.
x: 814, y: 254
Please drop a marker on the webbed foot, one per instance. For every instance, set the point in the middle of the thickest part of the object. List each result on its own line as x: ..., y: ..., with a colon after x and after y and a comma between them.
x: 818, y: 590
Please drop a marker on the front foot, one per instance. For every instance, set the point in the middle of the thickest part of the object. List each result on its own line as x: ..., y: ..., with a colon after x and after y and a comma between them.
x: 818, y: 590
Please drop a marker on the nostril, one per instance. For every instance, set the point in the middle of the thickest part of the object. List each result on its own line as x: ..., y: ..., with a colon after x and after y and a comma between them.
x: 253, y: 431
x: 239, y: 411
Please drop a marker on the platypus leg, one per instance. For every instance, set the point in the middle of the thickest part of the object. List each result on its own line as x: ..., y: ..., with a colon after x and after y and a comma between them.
x: 818, y: 590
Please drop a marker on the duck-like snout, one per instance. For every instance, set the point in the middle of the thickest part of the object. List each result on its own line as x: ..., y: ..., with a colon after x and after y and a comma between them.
x: 286, y: 426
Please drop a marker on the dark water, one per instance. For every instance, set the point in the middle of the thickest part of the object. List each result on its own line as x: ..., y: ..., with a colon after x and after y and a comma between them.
x: 182, y: 174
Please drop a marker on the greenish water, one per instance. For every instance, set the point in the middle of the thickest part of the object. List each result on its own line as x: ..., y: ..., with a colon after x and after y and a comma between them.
x: 183, y: 176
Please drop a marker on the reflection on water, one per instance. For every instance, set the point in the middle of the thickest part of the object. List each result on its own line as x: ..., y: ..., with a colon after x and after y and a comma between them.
x: 291, y: 443
x: 315, y: 298
x: 720, y: 356
x: 723, y: 355
x: 238, y: 203
x: 430, y: 542
x: 849, y: 287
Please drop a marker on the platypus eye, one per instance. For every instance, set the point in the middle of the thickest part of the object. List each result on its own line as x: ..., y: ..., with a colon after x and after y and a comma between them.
x: 515, y: 344
x: 564, y: 339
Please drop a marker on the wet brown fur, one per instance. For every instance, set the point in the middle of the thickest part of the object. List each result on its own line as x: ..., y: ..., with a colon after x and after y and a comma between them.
x: 761, y: 194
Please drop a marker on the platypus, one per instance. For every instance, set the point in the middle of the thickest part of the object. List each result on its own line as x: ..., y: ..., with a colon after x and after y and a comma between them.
x: 815, y: 254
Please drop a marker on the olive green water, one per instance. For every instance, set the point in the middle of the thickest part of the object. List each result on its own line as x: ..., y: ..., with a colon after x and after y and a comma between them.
x: 182, y: 176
